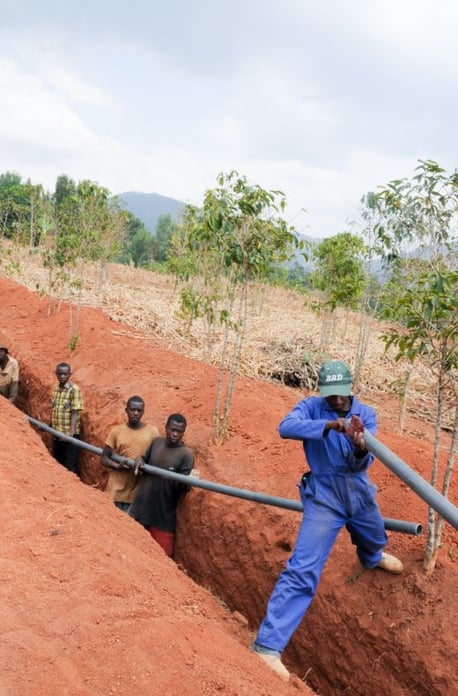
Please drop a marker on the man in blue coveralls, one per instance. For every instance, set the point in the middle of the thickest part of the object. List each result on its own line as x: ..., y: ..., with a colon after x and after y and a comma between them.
x: 336, y: 492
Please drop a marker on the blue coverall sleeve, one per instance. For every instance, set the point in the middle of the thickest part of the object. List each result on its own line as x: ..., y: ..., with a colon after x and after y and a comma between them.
x: 303, y: 422
x: 369, y: 420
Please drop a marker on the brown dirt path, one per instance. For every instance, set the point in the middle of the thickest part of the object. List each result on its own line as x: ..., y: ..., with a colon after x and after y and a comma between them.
x: 93, y: 607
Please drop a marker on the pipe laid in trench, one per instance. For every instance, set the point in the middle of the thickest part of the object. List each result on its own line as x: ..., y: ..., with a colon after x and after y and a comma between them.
x: 421, y: 487
x: 413, y: 528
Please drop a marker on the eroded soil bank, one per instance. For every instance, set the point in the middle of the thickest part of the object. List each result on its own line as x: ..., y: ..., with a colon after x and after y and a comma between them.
x: 92, y: 601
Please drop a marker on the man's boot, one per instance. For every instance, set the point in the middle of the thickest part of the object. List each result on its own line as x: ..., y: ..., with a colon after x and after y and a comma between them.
x: 276, y: 664
x: 390, y: 563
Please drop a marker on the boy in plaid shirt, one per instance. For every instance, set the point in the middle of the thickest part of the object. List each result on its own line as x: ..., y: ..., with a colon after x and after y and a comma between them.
x: 66, y: 404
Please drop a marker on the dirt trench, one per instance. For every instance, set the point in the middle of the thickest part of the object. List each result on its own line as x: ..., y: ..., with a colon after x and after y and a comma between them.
x: 366, y: 632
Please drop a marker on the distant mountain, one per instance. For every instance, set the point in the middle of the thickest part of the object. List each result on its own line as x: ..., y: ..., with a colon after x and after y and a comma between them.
x: 148, y: 207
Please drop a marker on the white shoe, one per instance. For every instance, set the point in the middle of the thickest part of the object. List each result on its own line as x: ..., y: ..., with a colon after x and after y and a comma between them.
x: 276, y: 664
x: 390, y: 563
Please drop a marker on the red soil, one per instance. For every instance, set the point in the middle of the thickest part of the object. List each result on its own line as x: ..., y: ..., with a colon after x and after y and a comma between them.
x: 91, y: 605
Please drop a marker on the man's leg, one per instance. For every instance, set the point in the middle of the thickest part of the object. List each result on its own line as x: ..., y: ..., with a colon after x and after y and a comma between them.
x: 57, y: 449
x: 297, y: 584
x: 165, y: 539
x: 69, y: 456
x: 368, y: 534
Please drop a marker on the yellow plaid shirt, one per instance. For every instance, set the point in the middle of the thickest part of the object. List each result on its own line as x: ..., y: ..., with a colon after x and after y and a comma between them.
x: 64, y: 401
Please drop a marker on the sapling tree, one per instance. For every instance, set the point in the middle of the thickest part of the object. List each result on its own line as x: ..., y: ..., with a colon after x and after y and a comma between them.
x: 162, y: 239
x: 21, y: 209
x: 339, y: 274
x: 370, y: 298
x: 417, y: 231
x: 87, y: 226
x: 233, y: 239
x: 13, y: 203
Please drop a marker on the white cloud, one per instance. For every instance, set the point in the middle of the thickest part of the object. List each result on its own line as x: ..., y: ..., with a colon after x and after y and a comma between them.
x: 415, y: 24
x: 34, y: 115
x: 78, y: 90
x: 322, y: 100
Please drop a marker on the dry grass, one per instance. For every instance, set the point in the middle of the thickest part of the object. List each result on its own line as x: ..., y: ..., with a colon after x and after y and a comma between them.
x: 283, y: 334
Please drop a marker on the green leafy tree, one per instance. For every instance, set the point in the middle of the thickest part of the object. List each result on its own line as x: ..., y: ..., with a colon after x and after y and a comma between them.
x: 429, y: 305
x: 338, y: 270
x: 9, y: 180
x: 236, y: 237
x: 141, y: 248
x: 88, y: 225
x: 418, y: 216
x: 339, y: 274
x: 137, y: 243
x: 11, y: 202
x: 65, y: 188
x: 165, y: 229
x: 417, y: 237
x: 22, y: 207
x: 91, y: 223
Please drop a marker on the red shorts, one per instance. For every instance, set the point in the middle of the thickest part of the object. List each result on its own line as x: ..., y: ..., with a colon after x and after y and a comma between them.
x: 164, y: 539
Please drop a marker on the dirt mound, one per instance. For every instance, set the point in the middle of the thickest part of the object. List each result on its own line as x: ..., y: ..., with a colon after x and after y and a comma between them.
x: 91, y: 606
x: 94, y: 607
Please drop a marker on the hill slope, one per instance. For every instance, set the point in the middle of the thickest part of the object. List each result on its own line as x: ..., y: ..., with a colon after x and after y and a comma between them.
x: 70, y: 560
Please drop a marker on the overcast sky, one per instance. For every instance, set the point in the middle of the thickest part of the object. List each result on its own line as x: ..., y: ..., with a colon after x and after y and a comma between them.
x: 322, y: 99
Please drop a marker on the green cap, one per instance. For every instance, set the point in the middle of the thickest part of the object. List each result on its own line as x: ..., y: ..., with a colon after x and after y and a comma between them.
x: 334, y: 379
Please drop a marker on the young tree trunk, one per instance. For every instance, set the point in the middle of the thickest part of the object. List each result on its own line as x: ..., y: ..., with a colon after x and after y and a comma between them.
x: 445, y: 489
x: 32, y: 224
x: 361, y: 349
x: 221, y: 374
x: 236, y: 351
x: 403, y: 398
x: 102, y: 276
x: 432, y: 542
x: 50, y: 286
x: 325, y: 335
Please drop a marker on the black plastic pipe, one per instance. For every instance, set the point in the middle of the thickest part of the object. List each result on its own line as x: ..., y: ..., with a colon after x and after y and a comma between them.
x: 413, y: 528
x: 421, y: 487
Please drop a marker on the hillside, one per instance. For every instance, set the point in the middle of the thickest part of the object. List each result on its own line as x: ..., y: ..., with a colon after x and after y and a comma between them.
x: 148, y: 207
x: 283, y: 334
x: 91, y: 607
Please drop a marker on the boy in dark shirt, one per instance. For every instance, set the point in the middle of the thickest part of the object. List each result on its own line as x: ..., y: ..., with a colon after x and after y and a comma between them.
x: 156, y: 500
